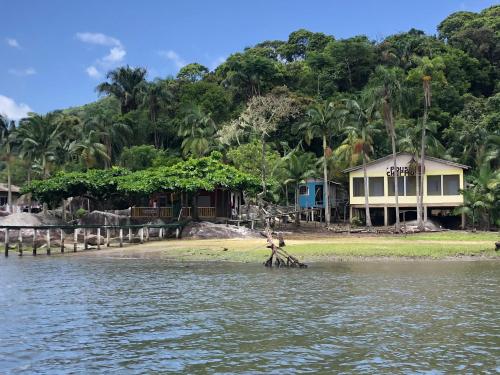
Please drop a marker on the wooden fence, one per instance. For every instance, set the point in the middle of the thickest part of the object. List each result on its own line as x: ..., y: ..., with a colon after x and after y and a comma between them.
x: 167, y: 212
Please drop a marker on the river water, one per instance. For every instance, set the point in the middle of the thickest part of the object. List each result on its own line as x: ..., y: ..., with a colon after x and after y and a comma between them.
x: 81, y: 315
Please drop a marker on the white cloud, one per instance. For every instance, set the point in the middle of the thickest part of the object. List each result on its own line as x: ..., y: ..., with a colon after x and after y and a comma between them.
x: 13, y: 111
x: 174, y: 57
x: 114, y: 57
x: 12, y: 43
x: 98, y: 38
x: 22, y: 72
x: 93, y: 72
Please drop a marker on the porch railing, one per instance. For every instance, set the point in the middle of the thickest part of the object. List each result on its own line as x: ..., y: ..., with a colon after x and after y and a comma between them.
x: 203, y: 212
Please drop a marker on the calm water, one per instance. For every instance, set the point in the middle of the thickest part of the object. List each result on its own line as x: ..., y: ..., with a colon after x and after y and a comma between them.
x: 86, y: 315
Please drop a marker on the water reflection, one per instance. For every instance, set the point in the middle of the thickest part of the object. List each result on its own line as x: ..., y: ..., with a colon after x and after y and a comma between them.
x: 81, y: 315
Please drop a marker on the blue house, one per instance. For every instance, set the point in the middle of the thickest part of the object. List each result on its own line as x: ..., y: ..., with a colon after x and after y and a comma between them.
x: 311, y: 193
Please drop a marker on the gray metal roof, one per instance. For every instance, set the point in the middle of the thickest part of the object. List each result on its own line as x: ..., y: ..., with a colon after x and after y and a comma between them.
x: 430, y: 158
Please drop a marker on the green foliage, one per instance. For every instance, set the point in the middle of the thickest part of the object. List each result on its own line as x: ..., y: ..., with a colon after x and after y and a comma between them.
x: 81, y: 212
x: 142, y: 157
x: 205, y: 173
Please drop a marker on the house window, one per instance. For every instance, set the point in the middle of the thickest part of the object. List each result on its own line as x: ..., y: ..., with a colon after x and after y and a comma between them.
x: 3, y: 201
x: 411, y: 185
x: 433, y: 185
x: 358, y: 187
x: 451, y: 184
x: 401, y: 185
x: 376, y: 186
x: 303, y: 190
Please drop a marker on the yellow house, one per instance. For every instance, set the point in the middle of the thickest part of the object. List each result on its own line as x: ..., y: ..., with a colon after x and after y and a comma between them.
x: 443, y: 180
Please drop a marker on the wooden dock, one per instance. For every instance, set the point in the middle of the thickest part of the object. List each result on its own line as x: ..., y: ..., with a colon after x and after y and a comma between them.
x: 102, y: 234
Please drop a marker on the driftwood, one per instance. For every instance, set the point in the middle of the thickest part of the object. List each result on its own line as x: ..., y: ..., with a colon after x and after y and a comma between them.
x: 280, y: 257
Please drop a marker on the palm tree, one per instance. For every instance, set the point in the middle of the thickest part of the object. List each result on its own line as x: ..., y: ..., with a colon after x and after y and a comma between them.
x: 41, y: 138
x: 322, y: 121
x: 409, y: 141
x: 88, y: 149
x: 154, y: 94
x: 198, y: 130
x: 114, y: 135
x: 7, y: 142
x: 299, y: 167
x: 360, y: 134
x: 126, y: 85
x: 387, y: 94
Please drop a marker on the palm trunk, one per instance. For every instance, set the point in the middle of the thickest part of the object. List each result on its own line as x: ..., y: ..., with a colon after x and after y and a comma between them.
x: 396, y: 192
x: 286, y: 194
x: 9, y: 187
x: 297, y: 205
x: 421, y: 224
x: 263, y: 166
x: 418, y: 177
x: 29, y: 184
x: 367, y: 205
x: 326, y: 197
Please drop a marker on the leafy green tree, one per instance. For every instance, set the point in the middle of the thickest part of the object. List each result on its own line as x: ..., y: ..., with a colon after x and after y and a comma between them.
x: 192, y: 72
x: 7, y: 145
x: 126, y: 84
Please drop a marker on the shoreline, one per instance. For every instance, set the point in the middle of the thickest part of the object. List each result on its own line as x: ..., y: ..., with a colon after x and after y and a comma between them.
x: 427, y: 246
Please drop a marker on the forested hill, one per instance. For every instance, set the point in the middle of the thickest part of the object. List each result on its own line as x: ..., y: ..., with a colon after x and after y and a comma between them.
x: 287, y: 95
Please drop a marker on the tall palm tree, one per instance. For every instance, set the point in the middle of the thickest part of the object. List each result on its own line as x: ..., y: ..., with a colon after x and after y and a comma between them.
x: 154, y: 95
x: 299, y: 167
x: 387, y: 93
x: 126, y: 84
x: 7, y: 143
x: 321, y: 122
x: 198, y: 130
x: 360, y: 134
x: 41, y: 137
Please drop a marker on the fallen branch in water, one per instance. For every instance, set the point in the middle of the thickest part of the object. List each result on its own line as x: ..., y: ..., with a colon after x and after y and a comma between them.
x: 279, y: 256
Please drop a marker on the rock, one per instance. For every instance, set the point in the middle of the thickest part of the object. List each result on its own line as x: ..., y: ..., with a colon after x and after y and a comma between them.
x: 207, y: 230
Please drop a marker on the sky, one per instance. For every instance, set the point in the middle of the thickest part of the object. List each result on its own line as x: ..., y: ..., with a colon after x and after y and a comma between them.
x: 54, y: 53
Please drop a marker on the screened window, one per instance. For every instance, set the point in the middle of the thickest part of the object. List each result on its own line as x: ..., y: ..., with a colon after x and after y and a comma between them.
x: 451, y: 184
x: 401, y: 185
x: 376, y: 186
x: 303, y: 190
x: 411, y: 185
x: 433, y: 185
x: 358, y: 187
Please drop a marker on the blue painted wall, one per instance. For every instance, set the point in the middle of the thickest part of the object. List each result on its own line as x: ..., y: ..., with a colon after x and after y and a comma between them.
x: 308, y: 201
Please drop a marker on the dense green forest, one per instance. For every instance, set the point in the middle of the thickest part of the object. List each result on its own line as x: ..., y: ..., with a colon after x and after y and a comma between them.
x: 286, y: 110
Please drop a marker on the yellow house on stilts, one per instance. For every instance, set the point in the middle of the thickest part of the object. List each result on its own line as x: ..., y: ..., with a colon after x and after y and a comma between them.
x: 442, y: 183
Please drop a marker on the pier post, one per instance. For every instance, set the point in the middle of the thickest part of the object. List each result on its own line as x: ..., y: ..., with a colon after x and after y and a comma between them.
x: 121, y: 237
x: 177, y: 232
x: 20, y: 243
x: 34, y: 242
x: 98, y: 238
x: 130, y: 235
x: 147, y: 234
x: 6, y: 242
x: 48, y: 241
x: 85, y: 242
x: 62, y: 241
x: 142, y: 235
x: 107, y: 237
x: 75, y: 239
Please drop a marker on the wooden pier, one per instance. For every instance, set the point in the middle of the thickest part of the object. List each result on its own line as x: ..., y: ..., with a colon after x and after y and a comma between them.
x: 102, y: 234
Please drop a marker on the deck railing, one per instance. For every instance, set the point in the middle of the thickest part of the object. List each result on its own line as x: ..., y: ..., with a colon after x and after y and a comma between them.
x: 167, y: 212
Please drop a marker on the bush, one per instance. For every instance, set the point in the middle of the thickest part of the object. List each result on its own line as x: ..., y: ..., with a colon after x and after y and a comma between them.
x: 81, y: 212
x: 356, y: 222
